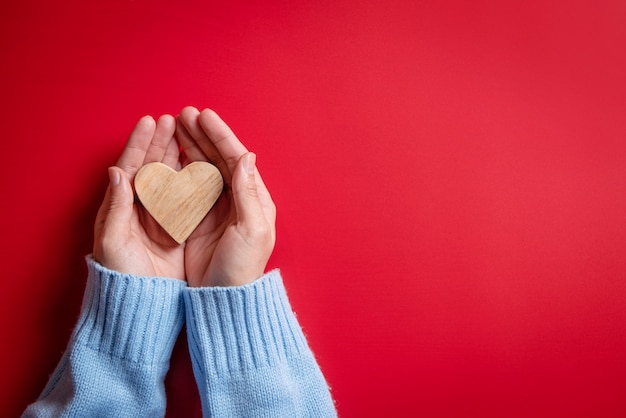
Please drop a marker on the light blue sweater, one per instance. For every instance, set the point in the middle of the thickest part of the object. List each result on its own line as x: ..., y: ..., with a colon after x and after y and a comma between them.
x: 249, y: 355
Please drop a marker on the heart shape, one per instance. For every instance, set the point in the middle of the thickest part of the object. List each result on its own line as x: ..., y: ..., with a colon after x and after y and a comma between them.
x: 178, y: 201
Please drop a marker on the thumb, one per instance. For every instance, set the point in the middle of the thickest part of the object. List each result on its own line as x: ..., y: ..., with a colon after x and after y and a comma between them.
x: 245, y: 194
x: 120, y: 203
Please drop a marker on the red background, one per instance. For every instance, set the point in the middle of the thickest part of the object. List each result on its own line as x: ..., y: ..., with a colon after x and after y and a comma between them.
x: 450, y: 179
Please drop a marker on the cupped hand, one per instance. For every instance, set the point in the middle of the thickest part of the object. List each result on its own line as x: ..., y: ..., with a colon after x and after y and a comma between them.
x: 127, y: 238
x: 233, y: 243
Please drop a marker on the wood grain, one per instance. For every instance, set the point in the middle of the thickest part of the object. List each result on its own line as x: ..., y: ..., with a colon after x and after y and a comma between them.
x: 178, y: 201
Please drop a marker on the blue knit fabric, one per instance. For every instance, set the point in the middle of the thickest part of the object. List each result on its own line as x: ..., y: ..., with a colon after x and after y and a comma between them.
x: 249, y: 355
x: 119, y: 353
x: 248, y: 352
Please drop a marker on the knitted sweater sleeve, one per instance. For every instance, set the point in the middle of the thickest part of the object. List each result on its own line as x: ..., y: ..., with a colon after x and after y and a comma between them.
x: 118, y: 355
x: 249, y: 355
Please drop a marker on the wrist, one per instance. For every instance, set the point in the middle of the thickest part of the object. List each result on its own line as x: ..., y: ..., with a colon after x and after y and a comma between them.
x: 221, y: 278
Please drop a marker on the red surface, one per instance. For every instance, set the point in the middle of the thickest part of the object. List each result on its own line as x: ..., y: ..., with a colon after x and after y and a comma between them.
x: 450, y: 179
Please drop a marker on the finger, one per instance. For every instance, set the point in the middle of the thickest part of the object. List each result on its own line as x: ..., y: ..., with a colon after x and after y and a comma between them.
x: 222, y: 138
x: 197, y: 141
x: 163, y: 134
x: 245, y: 195
x: 191, y: 151
x: 269, y: 208
x: 134, y: 154
x: 189, y: 119
x: 172, y: 155
x: 119, y: 207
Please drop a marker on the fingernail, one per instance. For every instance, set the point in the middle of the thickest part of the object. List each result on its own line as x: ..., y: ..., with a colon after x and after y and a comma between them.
x: 147, y: 120
x: 114, y: 176
x: 248, y: 163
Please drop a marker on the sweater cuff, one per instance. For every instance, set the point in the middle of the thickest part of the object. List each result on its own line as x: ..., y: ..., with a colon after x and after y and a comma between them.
x: 232, y: 329
x: 135, y: 318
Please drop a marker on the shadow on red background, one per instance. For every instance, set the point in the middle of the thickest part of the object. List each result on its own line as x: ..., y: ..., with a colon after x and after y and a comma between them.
x: 449, y: 177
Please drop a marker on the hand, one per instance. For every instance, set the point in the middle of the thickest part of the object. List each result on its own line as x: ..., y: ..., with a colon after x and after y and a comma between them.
x: 127, y: 238
x: 233, y: 243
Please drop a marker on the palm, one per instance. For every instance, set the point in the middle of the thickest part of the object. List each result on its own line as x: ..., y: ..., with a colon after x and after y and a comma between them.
x: 209, y: 249
x: 149, y: 241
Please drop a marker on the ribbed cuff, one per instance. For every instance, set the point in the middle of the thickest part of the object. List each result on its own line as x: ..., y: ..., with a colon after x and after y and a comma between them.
x: 131, y: 317
x: 231, y: 329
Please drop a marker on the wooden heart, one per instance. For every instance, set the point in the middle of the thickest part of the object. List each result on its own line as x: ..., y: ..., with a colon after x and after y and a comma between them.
x: 178, y: 201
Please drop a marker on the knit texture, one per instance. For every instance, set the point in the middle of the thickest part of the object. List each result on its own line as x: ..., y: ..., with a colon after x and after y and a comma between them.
x: 249, y: 354
x: 119, y: 352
